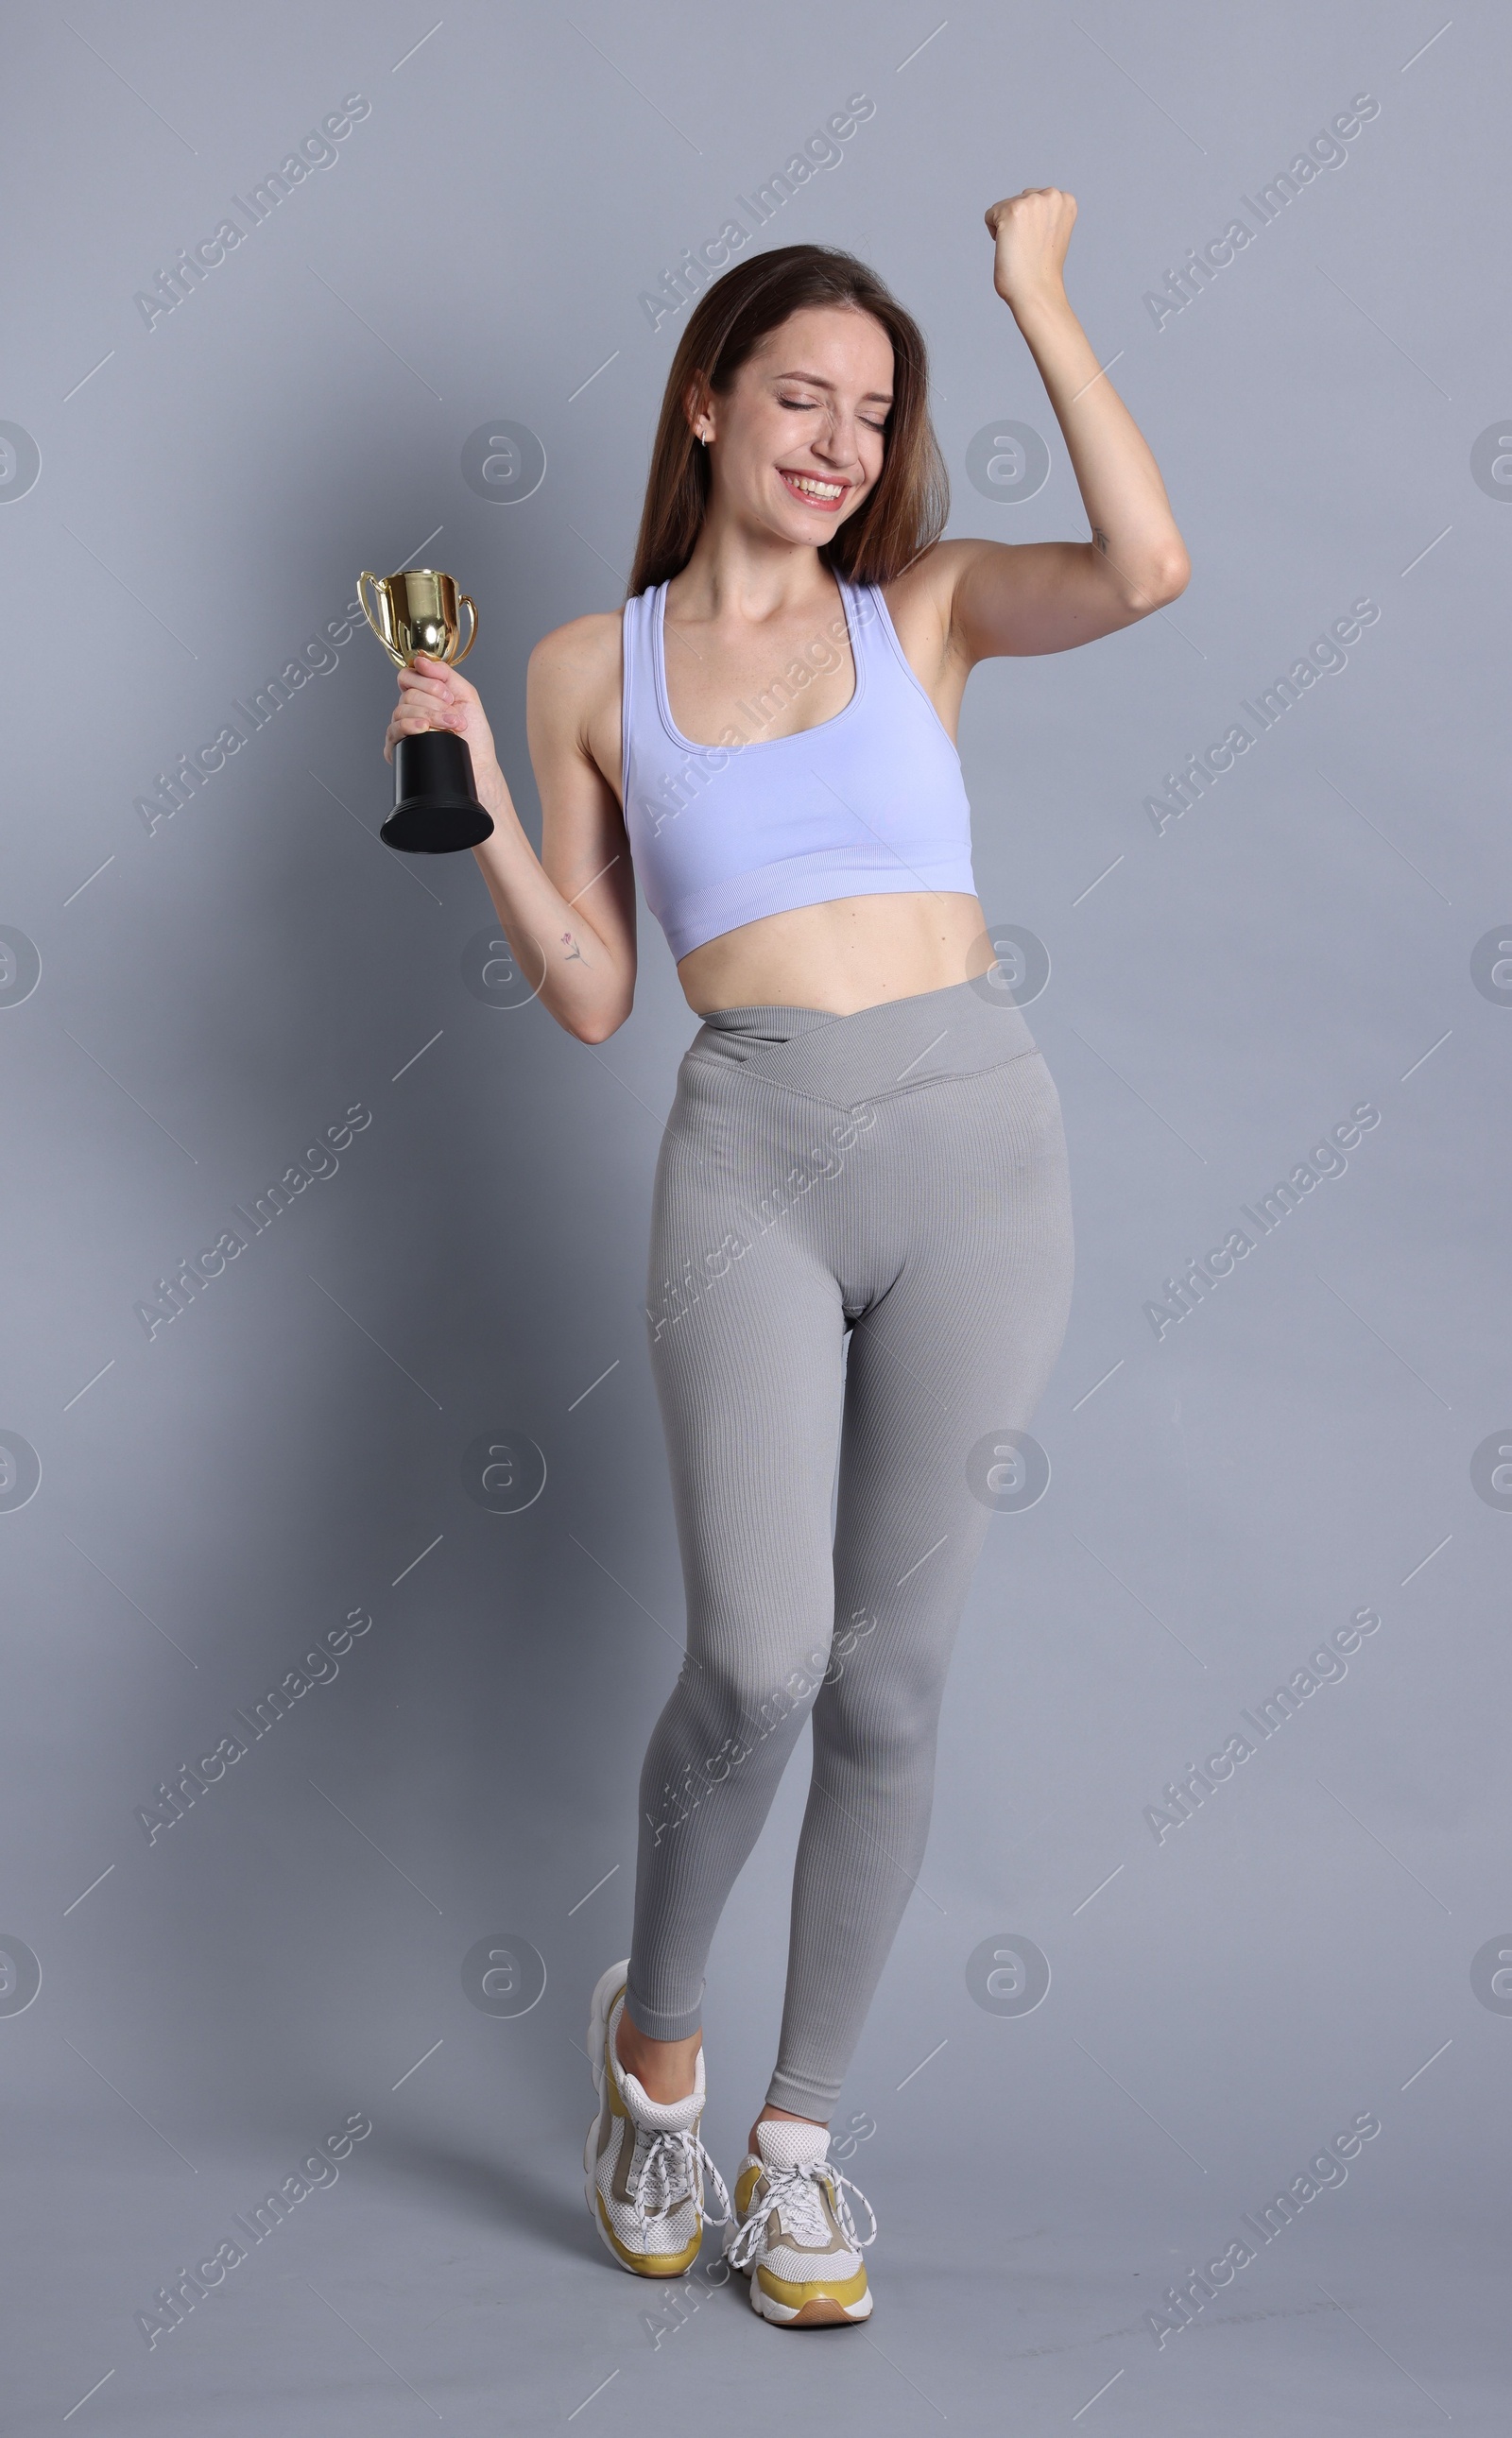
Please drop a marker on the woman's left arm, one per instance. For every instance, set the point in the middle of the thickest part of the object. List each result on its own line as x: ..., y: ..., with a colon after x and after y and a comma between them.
x: 1047, y: 597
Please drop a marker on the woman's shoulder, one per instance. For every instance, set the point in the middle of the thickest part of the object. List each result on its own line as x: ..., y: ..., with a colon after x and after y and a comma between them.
x: 579, y: 661
x: 593, y: 637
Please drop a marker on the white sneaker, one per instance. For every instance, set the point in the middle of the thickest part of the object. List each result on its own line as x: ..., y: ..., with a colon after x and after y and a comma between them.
x: 645, y: 2163
x: 794, y: 2235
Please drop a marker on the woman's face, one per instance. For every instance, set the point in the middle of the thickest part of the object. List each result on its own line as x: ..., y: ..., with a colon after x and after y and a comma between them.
x: 797, y: 442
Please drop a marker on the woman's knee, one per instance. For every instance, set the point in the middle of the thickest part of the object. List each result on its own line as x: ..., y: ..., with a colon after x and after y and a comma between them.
x: 880, y: 1709
x: 762, y: 1688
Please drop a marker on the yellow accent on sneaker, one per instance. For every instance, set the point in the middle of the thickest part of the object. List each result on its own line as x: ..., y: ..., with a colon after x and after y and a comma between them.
x: 790, y: 2203
x: 844, y: 2290
x: 645, y: 2163
x: 650, y: 2264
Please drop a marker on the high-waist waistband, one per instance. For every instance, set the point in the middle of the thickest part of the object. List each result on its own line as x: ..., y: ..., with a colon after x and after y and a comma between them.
x: 890, y: 1048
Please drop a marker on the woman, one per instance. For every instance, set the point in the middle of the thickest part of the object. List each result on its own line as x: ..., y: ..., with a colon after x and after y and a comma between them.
x: 865, y: 1140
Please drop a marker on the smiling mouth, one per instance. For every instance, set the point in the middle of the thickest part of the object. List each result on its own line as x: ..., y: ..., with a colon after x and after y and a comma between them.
x: 815, y: 490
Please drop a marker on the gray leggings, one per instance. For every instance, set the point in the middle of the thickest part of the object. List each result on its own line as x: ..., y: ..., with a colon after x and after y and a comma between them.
x: 901, y: 1173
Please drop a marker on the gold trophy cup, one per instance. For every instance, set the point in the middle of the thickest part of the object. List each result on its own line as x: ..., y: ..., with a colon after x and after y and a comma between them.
x: 437, y: 809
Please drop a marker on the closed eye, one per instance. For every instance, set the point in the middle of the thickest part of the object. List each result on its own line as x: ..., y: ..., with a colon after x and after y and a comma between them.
x: 807, y: 406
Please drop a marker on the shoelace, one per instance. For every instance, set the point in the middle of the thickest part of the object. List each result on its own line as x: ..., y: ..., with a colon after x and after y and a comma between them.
x: 672, y: 2169
x: 791, y: 2191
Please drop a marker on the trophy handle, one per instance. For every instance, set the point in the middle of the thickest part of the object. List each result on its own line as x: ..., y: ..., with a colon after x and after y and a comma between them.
x: 466, y: 601
x: 380, y: 626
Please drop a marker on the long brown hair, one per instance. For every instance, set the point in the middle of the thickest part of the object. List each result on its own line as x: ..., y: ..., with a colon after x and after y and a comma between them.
x: 907, y: 509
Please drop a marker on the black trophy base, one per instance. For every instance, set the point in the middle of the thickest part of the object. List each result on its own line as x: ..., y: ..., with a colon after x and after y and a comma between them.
x: 435, y: 804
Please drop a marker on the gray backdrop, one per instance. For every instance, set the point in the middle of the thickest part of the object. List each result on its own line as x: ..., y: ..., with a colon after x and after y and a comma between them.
x: 436, y: 344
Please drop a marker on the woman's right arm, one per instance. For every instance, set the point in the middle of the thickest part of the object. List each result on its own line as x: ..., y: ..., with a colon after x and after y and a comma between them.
x: 568, y: 914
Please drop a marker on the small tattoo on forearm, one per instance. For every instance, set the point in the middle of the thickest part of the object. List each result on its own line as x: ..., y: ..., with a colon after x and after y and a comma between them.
x: 1099, y: 540
x: 572, y: 949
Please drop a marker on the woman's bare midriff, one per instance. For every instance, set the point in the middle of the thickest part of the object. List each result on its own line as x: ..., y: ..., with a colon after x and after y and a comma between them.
x: 851, y: 953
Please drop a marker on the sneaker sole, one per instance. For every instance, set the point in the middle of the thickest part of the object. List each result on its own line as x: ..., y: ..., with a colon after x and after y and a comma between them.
x: 605, y: 1989
x: 821, y: 2311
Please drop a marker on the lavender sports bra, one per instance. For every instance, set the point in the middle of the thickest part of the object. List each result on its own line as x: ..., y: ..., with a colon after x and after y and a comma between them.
x: 870, y: 801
